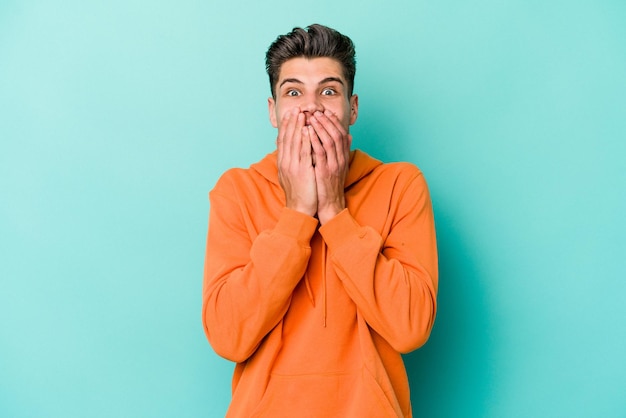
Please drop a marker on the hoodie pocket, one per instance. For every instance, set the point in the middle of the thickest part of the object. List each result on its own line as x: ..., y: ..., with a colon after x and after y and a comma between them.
x: 345, y: 395
x: 383, y: 406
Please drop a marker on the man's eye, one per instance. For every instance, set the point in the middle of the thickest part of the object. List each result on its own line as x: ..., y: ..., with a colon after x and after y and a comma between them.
x: 293, y: 93
x: 328, y: 92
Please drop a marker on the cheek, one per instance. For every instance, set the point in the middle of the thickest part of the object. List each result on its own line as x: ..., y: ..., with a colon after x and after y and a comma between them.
x: 344, y: 115
x: 278, y: 116
x: 282, y: 111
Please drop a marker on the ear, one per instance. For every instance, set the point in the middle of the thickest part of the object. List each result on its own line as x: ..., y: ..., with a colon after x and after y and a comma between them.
x: 271, y: 108
x: 354, y: 108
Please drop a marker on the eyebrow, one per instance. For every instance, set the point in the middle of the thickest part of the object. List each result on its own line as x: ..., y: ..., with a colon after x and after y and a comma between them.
x: 324, y: 81
x: 331, y: 79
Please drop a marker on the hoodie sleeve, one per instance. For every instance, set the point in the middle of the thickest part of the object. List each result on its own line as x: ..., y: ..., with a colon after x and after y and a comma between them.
x: 248, y: 282
x: 392, y: 280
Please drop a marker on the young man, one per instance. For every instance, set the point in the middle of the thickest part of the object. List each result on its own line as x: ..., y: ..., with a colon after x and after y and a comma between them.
x: 321, y: 263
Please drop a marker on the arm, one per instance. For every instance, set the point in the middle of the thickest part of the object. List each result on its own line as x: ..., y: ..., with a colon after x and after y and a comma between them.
x: 248, y: 284
x: 393, y: 281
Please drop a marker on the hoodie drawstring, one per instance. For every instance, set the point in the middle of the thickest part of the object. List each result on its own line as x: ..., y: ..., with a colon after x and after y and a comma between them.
x: 324, y: 279
x: 309, y: 289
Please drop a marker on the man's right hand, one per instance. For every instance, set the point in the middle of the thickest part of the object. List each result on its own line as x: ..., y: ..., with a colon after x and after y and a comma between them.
x: 295, y: 165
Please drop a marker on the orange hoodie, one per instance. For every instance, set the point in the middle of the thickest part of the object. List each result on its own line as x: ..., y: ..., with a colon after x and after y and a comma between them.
x: 317, y: 318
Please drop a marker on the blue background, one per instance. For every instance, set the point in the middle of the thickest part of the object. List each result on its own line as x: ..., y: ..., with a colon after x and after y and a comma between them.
x: 117, y: 117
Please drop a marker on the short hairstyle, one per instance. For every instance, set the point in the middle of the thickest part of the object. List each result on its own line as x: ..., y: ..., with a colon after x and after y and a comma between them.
x: 315, y: 41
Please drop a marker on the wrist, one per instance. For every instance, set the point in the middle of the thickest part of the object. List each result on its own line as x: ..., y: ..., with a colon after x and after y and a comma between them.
x: 326, y: 214
x: 307, y: 210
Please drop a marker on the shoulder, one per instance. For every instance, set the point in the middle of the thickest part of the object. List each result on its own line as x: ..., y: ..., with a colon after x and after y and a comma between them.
x: 231, y: 178
x: 400, y: 172
x: 244, y: 184
x: 258, y: 174
x: 405, y: 181
x: 401, y: 167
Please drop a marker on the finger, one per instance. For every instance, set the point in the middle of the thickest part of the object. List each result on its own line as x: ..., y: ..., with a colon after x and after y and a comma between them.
x: 280, y: 139
x: 296, y: 139
x: 305, y: 151
x: 319, y: 153
x: 286, y: 133
x: 329, y: 140
x: 333, y: 125
x: 323, y: 128
x: 344, y: 138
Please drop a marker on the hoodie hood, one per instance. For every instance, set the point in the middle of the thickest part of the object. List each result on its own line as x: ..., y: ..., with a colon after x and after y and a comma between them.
x: 361, y: 164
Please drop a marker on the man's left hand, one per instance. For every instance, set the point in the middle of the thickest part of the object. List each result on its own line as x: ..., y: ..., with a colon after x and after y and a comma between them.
x: 331, y: 148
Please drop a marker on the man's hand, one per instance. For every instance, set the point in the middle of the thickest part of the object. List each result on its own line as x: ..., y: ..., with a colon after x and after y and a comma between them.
x: 331, y: 150
x: 295, y: 166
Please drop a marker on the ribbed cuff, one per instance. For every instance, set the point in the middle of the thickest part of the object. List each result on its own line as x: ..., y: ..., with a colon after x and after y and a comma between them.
x: 340, y: 229
x: 297, y: 225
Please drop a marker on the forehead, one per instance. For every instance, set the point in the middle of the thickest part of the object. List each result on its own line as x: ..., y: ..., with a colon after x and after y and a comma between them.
x: 310, y: 69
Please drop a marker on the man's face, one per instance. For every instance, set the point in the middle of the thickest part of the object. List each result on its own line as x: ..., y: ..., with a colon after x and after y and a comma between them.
x: 311, y: 85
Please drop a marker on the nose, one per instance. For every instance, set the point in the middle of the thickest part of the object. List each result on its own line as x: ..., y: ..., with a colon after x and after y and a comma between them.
x: 310, y: 105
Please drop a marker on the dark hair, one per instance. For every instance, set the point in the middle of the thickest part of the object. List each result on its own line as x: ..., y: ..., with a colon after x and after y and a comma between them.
x: 313, y: 42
